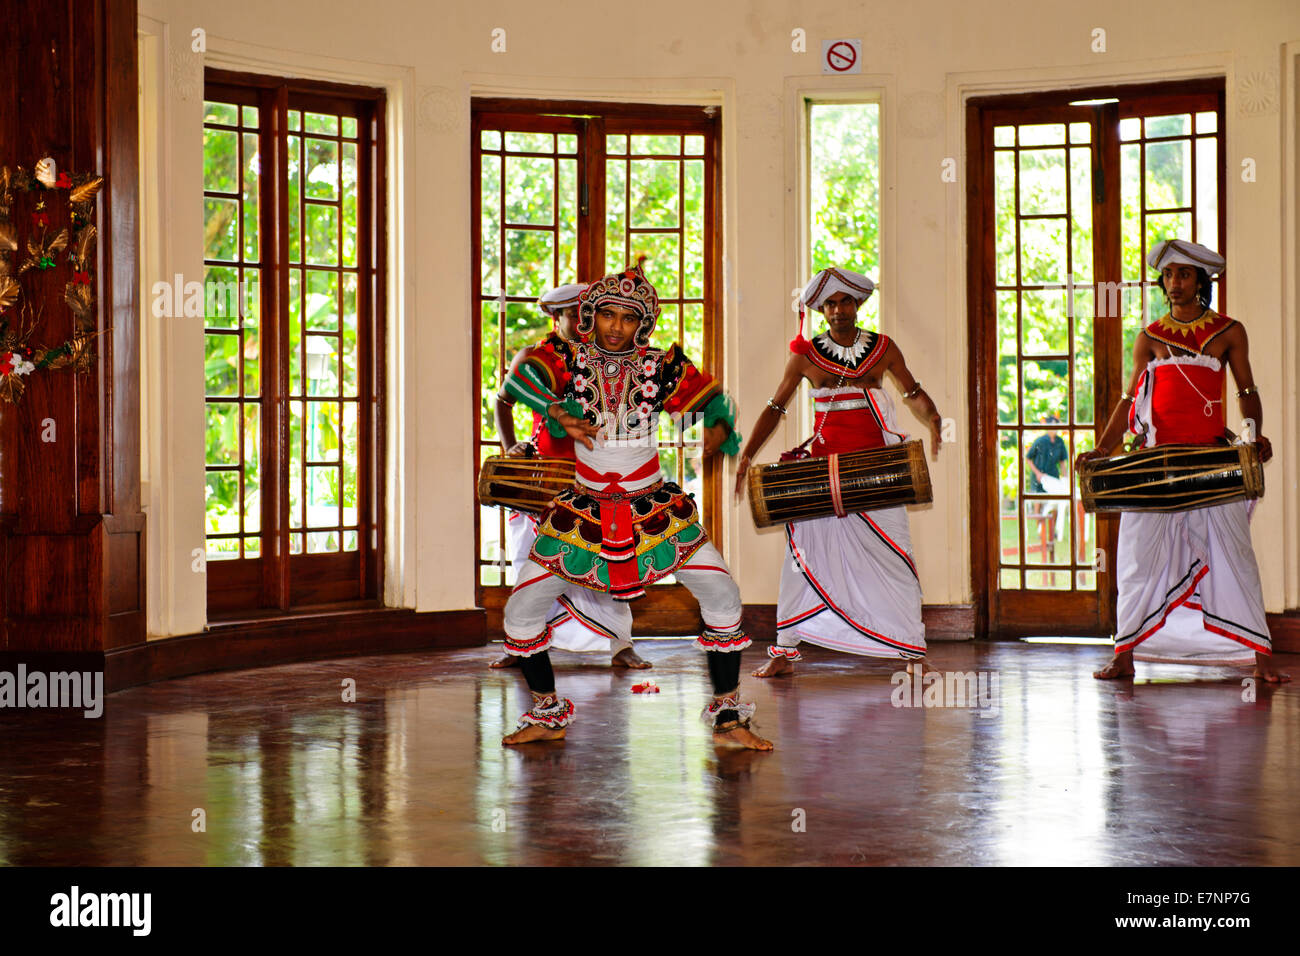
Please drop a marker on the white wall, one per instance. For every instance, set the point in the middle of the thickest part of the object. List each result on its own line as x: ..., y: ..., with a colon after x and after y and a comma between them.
x: 921, y: 59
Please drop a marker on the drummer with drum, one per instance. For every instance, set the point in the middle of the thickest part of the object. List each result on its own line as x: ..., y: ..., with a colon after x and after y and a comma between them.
x: 581, y: 620
x: 848, y: 583
x: 1188, y: 583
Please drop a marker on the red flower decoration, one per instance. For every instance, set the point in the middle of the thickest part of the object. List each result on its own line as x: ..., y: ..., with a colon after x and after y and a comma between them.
x: 82, y: 277
x: 40, y: 219
x: 63, y: 182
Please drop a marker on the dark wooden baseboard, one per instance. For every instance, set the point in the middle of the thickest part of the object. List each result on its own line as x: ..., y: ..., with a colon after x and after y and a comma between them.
x: 1284, y: 628
x: 258, y: 643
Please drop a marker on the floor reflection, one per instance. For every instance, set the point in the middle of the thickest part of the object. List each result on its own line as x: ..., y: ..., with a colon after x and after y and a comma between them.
x: 276, y: 767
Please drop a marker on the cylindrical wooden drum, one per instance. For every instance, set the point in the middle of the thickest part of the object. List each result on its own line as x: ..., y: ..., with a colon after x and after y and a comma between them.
x: 839, y: 484
x: 523, y: 484
x: 1171, y: 478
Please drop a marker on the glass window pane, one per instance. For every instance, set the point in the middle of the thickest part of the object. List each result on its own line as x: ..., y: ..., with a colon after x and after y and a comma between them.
x: 222, y: 439
x: 350, y: 354
x: 658, y: 145
x: 224, y: 113
x: 252, y: 468
x: 252, y: 172
x: 221, y: 229
x: 1130, y: 129
x: 1207, y: 122
x: 616, y: 252
x: 530, y: 142
x: 322, y: 300
x: 220, y: 160
x: 693, y: 145
x: 221, y: 364
x: 1207, y: 192
x: 490, y: 139
x: 322, y: 169
x: 1004, y: 190
x: 1042, y: 251
x: 1080, y: 132
x: 662, y: 267
x: 220, y: 298
x: 1008, y: 497
x: 1134, y: 269
x: 1043, y: 134
x: 321, y: 123
x: 1179, y: 125
x: 1042, y: 181
x: 530, y: 262
x: 530, y: 190
x: 1044, y: 324
x: 1083, y: 358
x: 250, y: 116
x: 350, y: 126
x: 294, y: 155
x: 348, y: 172
x: 654, y: 194
x: 322, y: 234
x: 616, y: 145
x: 490, y: 221
x: 1004, y: 136
x: 252, y: 364
x: 1169, y: 174
x: 1045, y: 389
x: 1081, y: 215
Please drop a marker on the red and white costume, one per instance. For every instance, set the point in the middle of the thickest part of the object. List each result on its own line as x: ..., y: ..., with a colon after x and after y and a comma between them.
x: 850, y: 584
x: 1189, y: 586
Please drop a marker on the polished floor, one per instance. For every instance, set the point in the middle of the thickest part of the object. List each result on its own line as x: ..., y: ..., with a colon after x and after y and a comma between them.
x: 1048, y: 767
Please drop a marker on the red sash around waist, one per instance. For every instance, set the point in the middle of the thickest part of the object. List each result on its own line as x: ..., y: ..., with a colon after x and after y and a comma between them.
x: 617, y: 535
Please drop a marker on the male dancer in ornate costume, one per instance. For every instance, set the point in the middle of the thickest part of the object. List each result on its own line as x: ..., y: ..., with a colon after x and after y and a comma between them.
x: 581, y: 619
x: 622, y: 526
x: 1173, y: 565
x: 848, y: 584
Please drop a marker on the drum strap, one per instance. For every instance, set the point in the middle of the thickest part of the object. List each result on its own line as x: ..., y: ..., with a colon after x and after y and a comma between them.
x: 1209, y: 402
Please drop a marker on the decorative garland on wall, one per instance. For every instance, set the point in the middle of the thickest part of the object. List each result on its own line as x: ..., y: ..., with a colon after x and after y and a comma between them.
x: 41, y: 248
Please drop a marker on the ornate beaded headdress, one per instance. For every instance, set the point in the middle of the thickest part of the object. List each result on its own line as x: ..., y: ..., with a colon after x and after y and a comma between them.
x: 630, y: 289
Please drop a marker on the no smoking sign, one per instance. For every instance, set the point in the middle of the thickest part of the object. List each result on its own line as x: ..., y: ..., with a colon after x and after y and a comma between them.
x: 842, y: 56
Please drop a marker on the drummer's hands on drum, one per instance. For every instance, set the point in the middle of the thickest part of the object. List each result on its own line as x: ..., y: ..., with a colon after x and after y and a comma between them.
x: 579, y: 429
x: 520, y: 449
x: 936, y: 434
x: 742, y: 467
x: 1090, y: 455
x: 1265, y: 448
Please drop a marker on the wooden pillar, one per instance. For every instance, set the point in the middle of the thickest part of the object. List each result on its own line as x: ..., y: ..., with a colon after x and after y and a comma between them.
x: 71, y: 530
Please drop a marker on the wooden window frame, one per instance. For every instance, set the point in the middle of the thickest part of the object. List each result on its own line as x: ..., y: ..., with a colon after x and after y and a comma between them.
x: 1037, y: 612
x: 666, y: 609
x: 278, y: 582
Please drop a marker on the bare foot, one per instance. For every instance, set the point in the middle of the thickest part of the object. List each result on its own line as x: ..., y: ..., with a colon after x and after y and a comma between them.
x: 629, y: 658
x: 741, y: 738
x: 920, y: 664
x: 531, y: 733
x: 775, y: 667
x: 1121, y: 665
x: 507, y: 660
x: 1266, y: 672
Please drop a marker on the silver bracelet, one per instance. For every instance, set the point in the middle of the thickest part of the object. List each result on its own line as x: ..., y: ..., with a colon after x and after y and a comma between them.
x: 772, y: 404
x: 916, y: 390
x: 1248, y: 390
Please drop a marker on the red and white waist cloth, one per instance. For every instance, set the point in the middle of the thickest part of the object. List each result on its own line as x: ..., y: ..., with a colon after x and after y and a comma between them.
x: 848, y: 420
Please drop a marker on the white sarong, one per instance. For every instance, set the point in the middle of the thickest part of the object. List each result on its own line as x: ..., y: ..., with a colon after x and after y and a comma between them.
x: 1189, y: 587
x: 580, y: 619
x: 850, y: 584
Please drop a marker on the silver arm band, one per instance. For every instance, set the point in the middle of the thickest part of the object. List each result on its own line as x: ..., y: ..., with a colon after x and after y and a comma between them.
x: 772, y: 404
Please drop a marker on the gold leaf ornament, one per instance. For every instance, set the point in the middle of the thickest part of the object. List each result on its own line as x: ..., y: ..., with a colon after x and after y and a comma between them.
x: 85, y: 243
x: 8, y: 238
x: 86, y: 191
x: 9, y: 290
x: 57, y: 244
x: 79, y: 299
